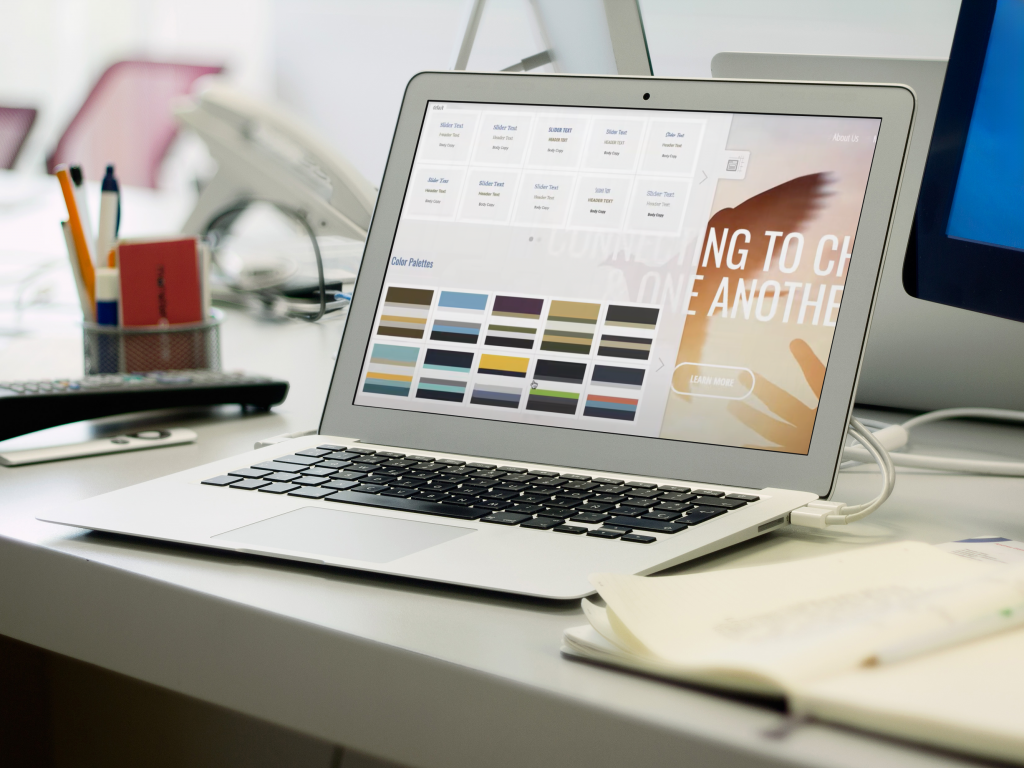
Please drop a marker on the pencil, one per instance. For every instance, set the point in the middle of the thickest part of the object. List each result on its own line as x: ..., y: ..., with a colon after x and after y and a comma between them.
x: 78, y: 235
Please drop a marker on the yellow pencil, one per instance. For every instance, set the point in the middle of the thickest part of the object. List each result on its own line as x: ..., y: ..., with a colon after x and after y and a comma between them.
x: 78, y: 234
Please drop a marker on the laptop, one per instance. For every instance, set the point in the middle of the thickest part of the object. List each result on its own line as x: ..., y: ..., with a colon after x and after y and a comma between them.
x: 601, y: 324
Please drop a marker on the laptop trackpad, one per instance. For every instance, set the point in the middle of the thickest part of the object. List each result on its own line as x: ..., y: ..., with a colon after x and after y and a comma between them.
x: 316, y: 531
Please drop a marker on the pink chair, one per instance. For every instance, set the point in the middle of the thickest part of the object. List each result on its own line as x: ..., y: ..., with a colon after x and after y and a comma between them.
x: 127, y: 120
x: 15, y: 123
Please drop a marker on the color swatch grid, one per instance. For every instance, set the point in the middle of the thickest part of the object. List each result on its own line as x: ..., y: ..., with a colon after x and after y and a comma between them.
x: 405, y: 312
x: 556, y: 370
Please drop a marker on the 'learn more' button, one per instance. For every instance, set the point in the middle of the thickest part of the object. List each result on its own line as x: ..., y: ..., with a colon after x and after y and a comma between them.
x: 728, y: 382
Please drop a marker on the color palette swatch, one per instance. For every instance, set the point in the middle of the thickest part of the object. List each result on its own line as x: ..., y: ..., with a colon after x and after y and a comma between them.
x: 629, y: 347
x: 570, y: 327
x: 556, y: 386
x: 390, y: 370
x: 448, y: 360
x: 614, y: 393
x: 645, y: 318
x: 502, y: 365
x: 514, y: 322
x: 454, y: 319
x: 405, y: 312
x: 441, y: 389
x: 441, y: 385
x: 496, y: 395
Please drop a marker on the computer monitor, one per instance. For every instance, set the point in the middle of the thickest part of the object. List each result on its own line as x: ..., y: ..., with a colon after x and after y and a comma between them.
x: 947, y: 345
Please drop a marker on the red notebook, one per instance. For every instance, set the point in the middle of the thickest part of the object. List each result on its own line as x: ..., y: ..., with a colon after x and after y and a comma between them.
x: 159, y: 282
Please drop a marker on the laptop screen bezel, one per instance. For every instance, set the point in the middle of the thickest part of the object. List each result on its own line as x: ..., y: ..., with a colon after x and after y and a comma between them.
x: 630, y: 454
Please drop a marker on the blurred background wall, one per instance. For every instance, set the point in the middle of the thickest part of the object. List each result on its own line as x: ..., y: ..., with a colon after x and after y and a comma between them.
x: 342, y: 64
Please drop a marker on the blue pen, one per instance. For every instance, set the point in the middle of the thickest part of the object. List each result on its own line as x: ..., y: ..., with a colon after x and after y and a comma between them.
x: 110, y: 217
x: 108, y: 290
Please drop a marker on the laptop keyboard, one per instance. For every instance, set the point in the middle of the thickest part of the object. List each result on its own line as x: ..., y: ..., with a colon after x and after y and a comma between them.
x: 580, y: 505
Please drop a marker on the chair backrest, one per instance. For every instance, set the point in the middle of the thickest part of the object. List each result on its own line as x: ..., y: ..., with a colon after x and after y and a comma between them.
x: 15, y: 123
x: 127, y: 120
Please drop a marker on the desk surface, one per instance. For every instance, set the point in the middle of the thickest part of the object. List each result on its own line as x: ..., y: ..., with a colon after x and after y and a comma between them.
x: 420, y: 674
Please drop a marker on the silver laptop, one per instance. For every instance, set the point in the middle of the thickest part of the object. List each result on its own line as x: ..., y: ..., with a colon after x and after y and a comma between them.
x: 601, y: 324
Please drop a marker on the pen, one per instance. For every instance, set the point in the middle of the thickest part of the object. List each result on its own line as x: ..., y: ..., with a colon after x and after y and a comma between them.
x: 107, y: 287
x: 78, y: 237
x: 110, y: 218
x: 987, y: 624
x: 82, y: 200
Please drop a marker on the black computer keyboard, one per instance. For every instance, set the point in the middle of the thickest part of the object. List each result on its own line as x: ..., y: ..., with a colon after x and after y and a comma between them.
x: 503, y: 495
x: 26, y: 406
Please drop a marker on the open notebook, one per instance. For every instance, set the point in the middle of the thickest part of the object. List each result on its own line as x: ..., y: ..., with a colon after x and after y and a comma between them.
x: 814, y: 631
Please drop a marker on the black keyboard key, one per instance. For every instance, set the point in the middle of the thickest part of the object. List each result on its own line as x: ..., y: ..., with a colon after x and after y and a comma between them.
x: 579, y: 485
x: 340, y: 485
x: 709, y: 493
x: 563, y: 503
x: 526, y: 509
x: 680, y: 497
x: 306, y: 461
x: 441, y: 485
x: 428, y: 466
x: 535, y: 498
x: 249, y: 485
x: 428, y: 495
x: 409, y: 505
x: 451, y: 462
x: 698, y: 515
x: 592, y: 506
x: 577, y: 495
x: 495, y: 493
x: 369, y: 488
x: 542, y: 523
x: 607, y: 481
x: 548, y: 482
x: 514, y: 470
x: 457, y: 471
x: 275, y: 466
x: 671, y: 506
x: 461, y: 501
x: 348, y: 474
x: 505, y: 518
x: 312, y: 493
x: 589, y: 517
x: 331, y: 447
x: 418, y: 474
x: 584, y: 478
x: 576, y: 530
x: 278, y: 488
x: 366, y: 468
x: 674, y: 488
x: 743, y: 497
x: 318, y: 471
x: 222, y: 480
x: 413, y: 457
x: 659, y: 515
x: 250, y: 473
x: 407, y: 482
x: 479, y: 483
x: 314, y: 452
x: 282, y: 477
x: 605, y: 533
x: 710, y: 501
x: 637, y: 484
x: 479, y: 465
x: 488, y: 474
x: 610, y: 527
x: 491, y: 504
x: 543, y: 473
x: 399, y: 463
x: 333, y: 464
x: 361, y: 451
x: 388, y: 472
x: 469, y: 491
x: 655, y: 526
x: 516, y: 487
x: 399, y: 492
x: 377, y: 459
x: 636, y: 538
x: 342, y: 456
x: 640, y: 503
x: 310, y: 481
x: 391, y: 455
x: 629, y: 511
x: 561, y: 514
x: 605, y: 498
x: 610, y: 489
x: 644, y: 493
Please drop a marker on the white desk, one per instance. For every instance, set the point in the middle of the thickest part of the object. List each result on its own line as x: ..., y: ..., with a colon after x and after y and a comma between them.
x: 418, y: 674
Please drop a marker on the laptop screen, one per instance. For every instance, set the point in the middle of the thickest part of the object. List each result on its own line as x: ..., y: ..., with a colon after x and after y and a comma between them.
x: 664, y: 274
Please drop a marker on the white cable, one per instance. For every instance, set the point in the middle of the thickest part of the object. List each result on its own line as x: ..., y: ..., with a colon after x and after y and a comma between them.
x: 896, y: 436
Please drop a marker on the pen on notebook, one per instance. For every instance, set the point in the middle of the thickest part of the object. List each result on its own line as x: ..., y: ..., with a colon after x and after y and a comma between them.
x: 83, y: 295
x: 78, y: 237
x: 988, y: 623
x: 82, y: 199
x: 110, y: 218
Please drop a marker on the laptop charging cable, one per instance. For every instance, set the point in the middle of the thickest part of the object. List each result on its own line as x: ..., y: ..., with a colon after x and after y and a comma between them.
x: 883, y: 446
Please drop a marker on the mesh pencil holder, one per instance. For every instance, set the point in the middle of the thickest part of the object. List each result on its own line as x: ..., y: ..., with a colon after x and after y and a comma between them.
x: 191, y: 346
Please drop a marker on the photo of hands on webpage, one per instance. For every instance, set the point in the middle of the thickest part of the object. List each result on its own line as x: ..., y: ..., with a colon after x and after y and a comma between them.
x: 646, y: 272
